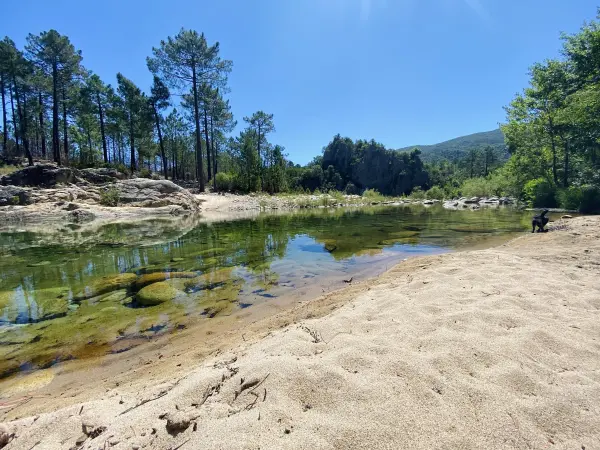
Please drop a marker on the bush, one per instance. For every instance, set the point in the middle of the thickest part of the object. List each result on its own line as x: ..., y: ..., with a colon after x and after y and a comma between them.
x: 540, y: 193
x: 110, y: 197
x: 351, y: 189
x: 145, y: 173
x: 435, y: 193
x: 373, y: 195
x: 570, y: 198
x: 417, y: 194
x: 590, y: 199
x: 225, y: 181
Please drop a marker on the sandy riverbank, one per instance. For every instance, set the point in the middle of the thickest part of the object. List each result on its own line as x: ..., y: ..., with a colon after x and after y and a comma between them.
x: 496, y: 348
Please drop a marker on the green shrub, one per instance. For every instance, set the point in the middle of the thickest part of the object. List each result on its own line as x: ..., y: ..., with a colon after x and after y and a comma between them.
x: 351, y: 189
x: 417, y: 194
x: 110, y: 197
x: 317, y: 191
x: 224, y: 181
x: 590, y: 199
x: 373, y: 195
x: 540, y: 193
x: 570, y: 198
x: 145, y: 173
x: 435, y: 193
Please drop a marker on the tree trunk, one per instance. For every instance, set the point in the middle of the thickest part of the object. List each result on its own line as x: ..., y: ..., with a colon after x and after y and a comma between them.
x: 160, y: 141
x: 102, y: 132
x: 566, y: 174
x: 4, y: 121
x: 42, y: 130
x: 260, y: 165
x: 212, y: 144
x: 131, y: 144
x: 65, y: 125
x: 22, y: 123
x: 208, y: 166
x: 199, y: 164
x: 554, y: 159
x: 14, y: 121
x: 55, y: 138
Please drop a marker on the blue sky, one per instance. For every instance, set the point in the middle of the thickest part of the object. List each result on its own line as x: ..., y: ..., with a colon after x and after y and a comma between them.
x: 402, y: 72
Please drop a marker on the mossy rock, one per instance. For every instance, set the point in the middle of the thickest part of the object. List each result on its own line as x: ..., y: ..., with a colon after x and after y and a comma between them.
x: 107, y: 284
x: 150, y: 278
x: 40, y: 264
x: 330, y: 245
x: 112, y: 297
x: 39, y: 305
x: 177, y: 259
x: 156, y: 293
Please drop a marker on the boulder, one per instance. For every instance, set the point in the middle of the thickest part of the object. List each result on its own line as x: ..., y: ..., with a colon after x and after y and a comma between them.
x: 155, y: 294
x: 44, y: 175
x: 107, y: 284
x: 155, y: 193
x: 102, y: 175
x: 14, y: 195
x: 472, y: 200
x: 155, y: 277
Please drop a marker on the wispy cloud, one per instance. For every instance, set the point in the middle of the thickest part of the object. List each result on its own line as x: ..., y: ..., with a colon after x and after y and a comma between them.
x: 479, y: 9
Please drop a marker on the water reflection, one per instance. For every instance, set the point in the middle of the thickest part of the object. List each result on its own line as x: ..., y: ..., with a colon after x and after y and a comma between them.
x: 70, y: 293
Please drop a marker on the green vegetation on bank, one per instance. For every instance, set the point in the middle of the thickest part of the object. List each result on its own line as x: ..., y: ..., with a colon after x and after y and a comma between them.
x: 546, y: 154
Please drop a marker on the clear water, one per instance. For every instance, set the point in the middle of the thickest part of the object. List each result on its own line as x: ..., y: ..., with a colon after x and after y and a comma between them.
x: 72, y: 293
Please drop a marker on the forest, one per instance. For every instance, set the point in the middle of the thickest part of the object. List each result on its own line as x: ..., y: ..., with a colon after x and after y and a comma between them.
x: 179, y: 128
x: 182, y: 128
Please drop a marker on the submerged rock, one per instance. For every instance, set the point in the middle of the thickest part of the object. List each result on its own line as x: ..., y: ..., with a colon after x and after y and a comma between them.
x: 210, y: 280
x: 157, y: 293
x: 107, y: 284
x: 155, y: 277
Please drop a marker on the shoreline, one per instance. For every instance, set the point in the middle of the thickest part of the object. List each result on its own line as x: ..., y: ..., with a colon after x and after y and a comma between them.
x: 492, y: 327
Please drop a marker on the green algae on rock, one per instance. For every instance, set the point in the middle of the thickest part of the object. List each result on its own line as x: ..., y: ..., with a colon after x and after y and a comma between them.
x: 107, y: 284
x: 150, y: 278
x: 156, y: 293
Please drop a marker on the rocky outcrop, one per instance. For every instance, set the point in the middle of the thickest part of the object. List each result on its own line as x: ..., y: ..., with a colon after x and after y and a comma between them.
x: 477, y: 202
x: 14, y: 195
x: 49, y: 175
x: 146, y: 193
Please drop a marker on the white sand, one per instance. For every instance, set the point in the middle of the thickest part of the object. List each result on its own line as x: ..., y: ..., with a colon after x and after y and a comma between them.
x: 487, y: 349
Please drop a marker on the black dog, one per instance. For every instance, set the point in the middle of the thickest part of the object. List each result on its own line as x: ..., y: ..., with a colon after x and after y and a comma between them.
x: 539, y: 221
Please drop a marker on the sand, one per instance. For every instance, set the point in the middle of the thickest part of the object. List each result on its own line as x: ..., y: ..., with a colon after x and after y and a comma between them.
x: 496, y: 348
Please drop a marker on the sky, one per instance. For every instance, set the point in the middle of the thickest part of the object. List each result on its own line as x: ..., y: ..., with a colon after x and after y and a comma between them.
x: 402, y: 72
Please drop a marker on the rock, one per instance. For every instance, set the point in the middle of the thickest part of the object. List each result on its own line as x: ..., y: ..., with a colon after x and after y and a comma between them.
x: 13, y: 195
x: 428, y: 202
x: 330, y: 245
x: 146, y: 193
x: 177, y: 259
x: 108, y: 284
x: 156, y: 293
x: 150, y: 278
x: 178, y: 422
x: 471, y: 200
x: 80, y: 440
x: 566, y: 216
x: 210, y: 280
x: 71, y: 207
x: 5, y: 435
x: 80, y: 216
x: 46, y: 175
x: 102, y: 175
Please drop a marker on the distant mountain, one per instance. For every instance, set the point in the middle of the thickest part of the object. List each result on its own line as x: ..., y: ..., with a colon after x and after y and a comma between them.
x: 458, y: 146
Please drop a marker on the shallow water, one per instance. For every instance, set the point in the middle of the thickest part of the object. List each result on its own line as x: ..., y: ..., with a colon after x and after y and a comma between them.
x: 77, y: 292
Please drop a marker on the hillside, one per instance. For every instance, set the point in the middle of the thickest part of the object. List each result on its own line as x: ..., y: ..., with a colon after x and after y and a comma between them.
x: 457, y: 146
